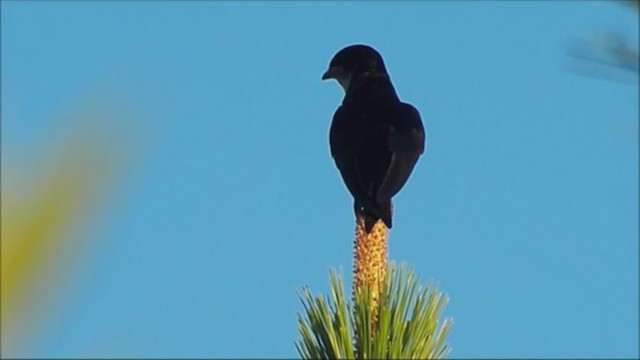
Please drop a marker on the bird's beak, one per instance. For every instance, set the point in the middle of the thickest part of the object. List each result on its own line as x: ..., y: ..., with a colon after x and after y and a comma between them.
x: 332, y: 73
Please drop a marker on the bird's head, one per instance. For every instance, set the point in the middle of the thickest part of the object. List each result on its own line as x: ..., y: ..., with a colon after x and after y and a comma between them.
x: 352, y: 62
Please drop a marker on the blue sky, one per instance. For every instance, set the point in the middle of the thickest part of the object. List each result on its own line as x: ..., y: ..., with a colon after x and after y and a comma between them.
x: 524, y: 207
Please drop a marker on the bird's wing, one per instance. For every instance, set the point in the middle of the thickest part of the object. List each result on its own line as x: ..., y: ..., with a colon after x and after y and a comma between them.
x: 345, y: 142
x: 406, y: 142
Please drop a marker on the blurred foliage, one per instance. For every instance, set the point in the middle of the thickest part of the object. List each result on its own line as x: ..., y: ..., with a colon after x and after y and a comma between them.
x: 612, y: 56
x: 404, y: 325
x: 41, y: 210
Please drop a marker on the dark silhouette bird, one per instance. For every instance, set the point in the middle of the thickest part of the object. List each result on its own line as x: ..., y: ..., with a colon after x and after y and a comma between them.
x: 375, y: 138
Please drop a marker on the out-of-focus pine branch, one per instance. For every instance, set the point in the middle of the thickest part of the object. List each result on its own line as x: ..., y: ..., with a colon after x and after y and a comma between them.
x: 41, y: 210
x: 612, y: 56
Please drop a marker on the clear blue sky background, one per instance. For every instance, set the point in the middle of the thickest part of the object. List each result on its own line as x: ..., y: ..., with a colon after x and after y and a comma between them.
x: 524, y: 208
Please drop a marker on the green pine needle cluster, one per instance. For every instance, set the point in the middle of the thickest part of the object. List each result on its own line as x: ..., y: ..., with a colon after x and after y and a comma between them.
x: 403, y: 326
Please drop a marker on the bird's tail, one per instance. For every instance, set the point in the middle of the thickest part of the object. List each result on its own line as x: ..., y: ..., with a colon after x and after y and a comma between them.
x: 379, y: 211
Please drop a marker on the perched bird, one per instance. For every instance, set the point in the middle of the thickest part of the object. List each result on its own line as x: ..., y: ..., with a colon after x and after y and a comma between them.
x: 375, y: 138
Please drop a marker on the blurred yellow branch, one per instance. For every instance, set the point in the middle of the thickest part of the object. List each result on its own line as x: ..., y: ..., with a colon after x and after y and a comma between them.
x: 38, y: 221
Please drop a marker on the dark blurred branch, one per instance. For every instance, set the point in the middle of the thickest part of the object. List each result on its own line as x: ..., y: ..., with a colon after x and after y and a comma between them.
x: 613, y: 51
x: 633, y: 3
x: 609, y: 57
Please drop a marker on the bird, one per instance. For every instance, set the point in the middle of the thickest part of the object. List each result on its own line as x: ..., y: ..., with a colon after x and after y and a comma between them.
x: 375, y: 139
